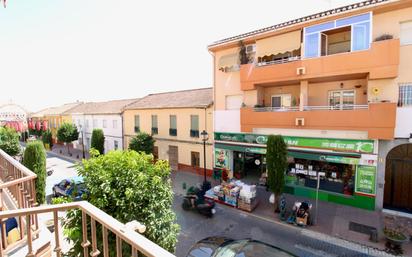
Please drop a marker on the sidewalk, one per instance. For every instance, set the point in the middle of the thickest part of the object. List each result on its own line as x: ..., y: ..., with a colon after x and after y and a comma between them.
x: 75, y: 155
x: 333, y: 220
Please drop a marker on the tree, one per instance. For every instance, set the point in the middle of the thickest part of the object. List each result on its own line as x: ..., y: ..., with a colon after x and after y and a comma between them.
x: 142, y: 142
x: 98, y: 140
x: 9, y: 141
x: 276, y: 164
x: 67, y: 133
x: 47, y: 138
x: 34, y: 158
x: 129, y: 186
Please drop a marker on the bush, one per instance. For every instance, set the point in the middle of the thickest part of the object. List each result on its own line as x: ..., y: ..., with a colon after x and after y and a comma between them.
x: 34, y: 158
x: 98, y: 140
x: 9, y: 141
x: 128, y: 186
x: 67, y: 133
x: 142, y: 142
x: 47, y: 138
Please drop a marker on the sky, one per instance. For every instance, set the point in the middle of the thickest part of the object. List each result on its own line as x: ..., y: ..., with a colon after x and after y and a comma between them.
x: 59, y: 51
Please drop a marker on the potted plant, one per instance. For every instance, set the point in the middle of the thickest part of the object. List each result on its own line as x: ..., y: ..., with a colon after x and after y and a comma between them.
x: 394, y: 239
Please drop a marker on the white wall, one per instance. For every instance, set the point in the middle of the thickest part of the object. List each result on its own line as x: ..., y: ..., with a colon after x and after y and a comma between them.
x: 227, y: 121
x: 403, y: 122
x: 111, y: 133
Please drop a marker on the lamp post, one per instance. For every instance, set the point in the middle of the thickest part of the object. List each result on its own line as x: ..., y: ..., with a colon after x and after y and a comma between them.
x: 206, y: 184
x: 81, y: 132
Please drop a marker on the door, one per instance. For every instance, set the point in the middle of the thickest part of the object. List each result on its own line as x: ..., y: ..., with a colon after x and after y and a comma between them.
x: 284, y: 100
x: 398, y: 179
x: 276, y: 101
x: 173, y: 157
x: 341, y: 99
x: 323, y: 44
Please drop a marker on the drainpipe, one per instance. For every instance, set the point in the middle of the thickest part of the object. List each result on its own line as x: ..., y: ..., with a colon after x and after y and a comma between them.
x: 121, y: 120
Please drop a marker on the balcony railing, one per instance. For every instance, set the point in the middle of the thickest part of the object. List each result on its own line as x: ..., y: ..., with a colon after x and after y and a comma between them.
x: 312, y: 108
x: 125, y: 233
x: 17, y: 191
x: 279, y: 61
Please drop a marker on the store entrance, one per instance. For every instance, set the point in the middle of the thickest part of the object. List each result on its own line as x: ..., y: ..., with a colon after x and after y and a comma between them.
x: 248, y: 166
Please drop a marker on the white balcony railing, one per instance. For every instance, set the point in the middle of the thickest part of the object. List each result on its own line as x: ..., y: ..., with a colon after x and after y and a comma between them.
x: 311, y: 108
x: 279, y: 61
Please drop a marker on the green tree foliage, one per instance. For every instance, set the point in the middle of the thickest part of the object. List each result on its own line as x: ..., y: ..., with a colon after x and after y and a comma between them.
x: 47, y: 138
x: 128, y: 186
x: 142, y: 142
x: 98, y: 140
x: 276, y: 164
x: 34, y: 158
x: 9, y: 141
x: 67, y: 133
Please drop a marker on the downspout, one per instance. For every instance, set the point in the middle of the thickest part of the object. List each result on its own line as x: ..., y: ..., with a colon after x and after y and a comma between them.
x: 121, y: 119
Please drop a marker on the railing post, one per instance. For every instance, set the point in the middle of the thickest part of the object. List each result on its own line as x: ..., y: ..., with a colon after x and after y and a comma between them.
x: 105, y: 241
x: 95, y: 251
x: 29, y: 237
x: 3, y: 233
x: 57, y: 249
x: 119, y: 252
x: 85, y: 243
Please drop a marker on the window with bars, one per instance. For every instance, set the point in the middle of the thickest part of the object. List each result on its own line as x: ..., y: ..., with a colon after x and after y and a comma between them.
x: 194, y: 125
x: 173, y: 125
x: 405, y: 94
x: 155, y: 129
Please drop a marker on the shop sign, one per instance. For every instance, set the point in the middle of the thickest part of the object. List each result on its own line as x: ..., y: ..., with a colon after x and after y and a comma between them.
x: 339, y: 159
x: 345, y: 145
x: 222, y: 159
x: 365, y: 180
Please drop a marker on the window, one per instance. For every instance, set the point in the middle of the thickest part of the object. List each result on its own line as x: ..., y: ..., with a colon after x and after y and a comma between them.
x: 195, y: 159
x: 342, y: 99
x: 406, y: 33
x: 194, y: 125
x: 173, y: 125
x: 283, y: 100
x: 155, y: 129
x: 405, y: 94
x: 104, y: 123
x: 155, y: 153
x: 136, y: 123
x: 94, y: 123
x: 114, y: 124
x: 116, y: 145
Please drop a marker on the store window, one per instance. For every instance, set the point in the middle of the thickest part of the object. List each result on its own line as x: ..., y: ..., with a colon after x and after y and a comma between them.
x: 406, y: 33
x: 405, y: 94
x: 195, y: 159
x: 194, y: 125
x: 334, y: 177
x: 136, y: 123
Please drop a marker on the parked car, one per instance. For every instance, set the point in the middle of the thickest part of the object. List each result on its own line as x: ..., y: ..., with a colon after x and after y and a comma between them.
x: 71, y: 187
x: 227, y: 247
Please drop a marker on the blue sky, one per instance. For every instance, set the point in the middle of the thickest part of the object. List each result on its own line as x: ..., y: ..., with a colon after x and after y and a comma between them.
x: 53, y: 52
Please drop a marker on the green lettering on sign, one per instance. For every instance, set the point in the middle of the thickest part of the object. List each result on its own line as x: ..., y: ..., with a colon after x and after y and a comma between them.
x: 344, y: 145
x: 365, y: 180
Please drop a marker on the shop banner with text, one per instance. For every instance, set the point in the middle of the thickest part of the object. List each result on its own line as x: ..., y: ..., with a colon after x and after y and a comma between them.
x: 344, y: 145
x: 365, y: 180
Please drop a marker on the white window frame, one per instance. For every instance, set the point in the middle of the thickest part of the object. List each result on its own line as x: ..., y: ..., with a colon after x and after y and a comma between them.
x: 400, y: 33
x: 281, y: 100
x: 341, y: 97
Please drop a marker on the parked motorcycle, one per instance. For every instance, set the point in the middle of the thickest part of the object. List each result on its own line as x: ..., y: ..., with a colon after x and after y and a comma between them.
x: 195, y: 200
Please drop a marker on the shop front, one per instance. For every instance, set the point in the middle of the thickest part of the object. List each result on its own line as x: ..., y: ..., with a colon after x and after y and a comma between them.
x: 346, y: 168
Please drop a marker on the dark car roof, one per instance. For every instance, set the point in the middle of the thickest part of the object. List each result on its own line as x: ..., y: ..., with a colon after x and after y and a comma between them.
x: 208, y: 246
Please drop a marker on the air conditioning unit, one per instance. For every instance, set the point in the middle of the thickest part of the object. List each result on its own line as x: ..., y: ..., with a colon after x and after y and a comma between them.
x: 300, y: 71
x: 300, y: 122
x: 251, y: 48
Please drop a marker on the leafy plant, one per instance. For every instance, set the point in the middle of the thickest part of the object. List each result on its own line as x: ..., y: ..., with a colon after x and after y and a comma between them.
x: 9, y: 141
x: 67, y: 133
x: 47, y: 138
x: 34, y: 158
x: 394, y: 233
x: 276, y: 163
x: 142, y: 142
x: 98, y: 140
x: 129, y: 186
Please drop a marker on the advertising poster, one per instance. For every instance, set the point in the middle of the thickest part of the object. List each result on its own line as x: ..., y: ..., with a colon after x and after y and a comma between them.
x: 365, y: 180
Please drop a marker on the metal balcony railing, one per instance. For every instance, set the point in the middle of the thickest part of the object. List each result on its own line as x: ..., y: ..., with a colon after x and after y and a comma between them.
x: 279, y: 61
x: 312, y: 108
x: 125, y: 233
x: 276, y: 109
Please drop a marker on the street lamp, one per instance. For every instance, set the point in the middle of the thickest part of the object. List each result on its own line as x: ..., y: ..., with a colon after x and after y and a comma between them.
x: 81, y: 132
x: 206, y: 184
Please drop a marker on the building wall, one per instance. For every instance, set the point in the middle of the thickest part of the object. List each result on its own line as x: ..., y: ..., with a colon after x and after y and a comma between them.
x: 183, y: 141
x: 110, y: 132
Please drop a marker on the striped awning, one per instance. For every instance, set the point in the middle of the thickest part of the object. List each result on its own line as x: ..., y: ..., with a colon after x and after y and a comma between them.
x: 278, y: 44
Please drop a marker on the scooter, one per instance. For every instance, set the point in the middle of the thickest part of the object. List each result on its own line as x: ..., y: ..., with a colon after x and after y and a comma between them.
x: 195, y: 200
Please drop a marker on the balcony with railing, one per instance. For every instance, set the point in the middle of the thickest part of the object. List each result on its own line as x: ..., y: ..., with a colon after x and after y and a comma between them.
x: 33, y: 239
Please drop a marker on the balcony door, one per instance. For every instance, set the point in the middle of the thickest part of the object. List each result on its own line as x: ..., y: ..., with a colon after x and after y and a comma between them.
x: 279, y: 101
x: 341, y: 99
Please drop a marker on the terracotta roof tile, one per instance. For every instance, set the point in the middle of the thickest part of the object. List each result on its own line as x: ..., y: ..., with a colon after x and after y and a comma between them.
x: 59, y: 110
x: 108, y: 107
x: 193, y: 98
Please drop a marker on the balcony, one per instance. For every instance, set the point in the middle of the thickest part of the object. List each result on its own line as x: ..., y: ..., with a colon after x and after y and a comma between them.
x: 377, y: 119
x: 380, y: 61
x: 33, y: 239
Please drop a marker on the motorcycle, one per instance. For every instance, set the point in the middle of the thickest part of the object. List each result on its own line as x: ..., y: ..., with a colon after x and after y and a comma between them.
x: 195, y: 200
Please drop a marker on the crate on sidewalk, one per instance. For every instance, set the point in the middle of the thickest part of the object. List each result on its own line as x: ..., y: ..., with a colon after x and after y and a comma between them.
x: 248, y: 205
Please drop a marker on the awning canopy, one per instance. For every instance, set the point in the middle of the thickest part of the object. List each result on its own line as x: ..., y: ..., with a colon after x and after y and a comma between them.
x: 278, y: 44
x: 228, y: 61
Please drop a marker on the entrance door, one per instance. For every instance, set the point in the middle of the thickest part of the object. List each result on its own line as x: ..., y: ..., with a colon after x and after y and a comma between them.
x: 276, y: 101
x: 398, y: 179
x: 323, y: 44
x: 238, y: 164
x: 173, y: 157
x: 341, y: 99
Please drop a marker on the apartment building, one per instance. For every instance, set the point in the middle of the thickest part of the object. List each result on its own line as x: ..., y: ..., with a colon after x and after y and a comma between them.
x: 176, y: 121
x: 54, y: 117
x: 100, y: 115
x: 337, y: 86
